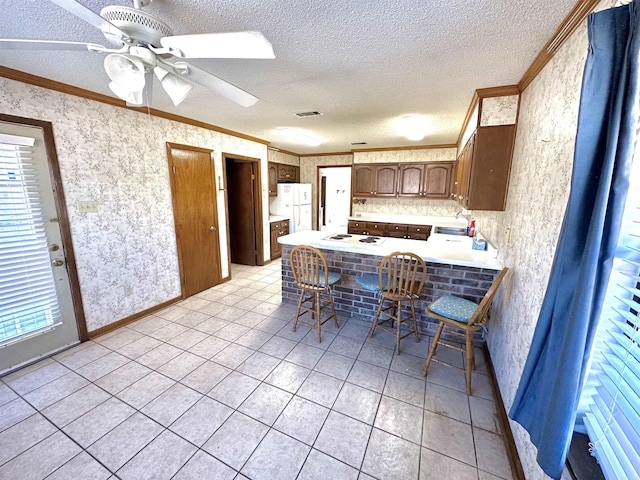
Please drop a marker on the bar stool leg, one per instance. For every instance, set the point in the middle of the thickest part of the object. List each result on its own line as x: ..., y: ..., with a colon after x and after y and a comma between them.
x: 316, y: 301
x: 375, y: 319
x: 398, y: 312
x: 432, y: 350
x: 415, y: 321
x: 295, y: 322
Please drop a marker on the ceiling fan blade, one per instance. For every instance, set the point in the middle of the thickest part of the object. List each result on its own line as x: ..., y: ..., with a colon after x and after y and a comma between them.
x: 90, y: 17
x: 15, y: 44
x: 215, y: 84
x: 220, y: 45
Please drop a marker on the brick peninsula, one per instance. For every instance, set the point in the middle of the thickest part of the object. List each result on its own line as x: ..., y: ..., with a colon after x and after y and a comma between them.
x: 452, y: 268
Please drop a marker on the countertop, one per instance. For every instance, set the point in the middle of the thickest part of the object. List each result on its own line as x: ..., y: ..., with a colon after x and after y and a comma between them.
x: 438, y: 250
x: 411, y: 219
x: 277, y: 218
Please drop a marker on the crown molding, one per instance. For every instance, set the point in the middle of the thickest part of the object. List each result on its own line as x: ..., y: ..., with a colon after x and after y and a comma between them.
x: 30, y: 79
x: 328, y: 154
x: 276, y: 149
x: 573, y: 20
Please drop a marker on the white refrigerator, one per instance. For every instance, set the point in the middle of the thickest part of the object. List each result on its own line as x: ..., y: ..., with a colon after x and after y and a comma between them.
x: 293, y: 201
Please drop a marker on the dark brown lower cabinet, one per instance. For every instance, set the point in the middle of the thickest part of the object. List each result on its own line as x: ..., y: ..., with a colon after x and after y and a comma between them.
x: 278, y: 229
x: 393, y: 230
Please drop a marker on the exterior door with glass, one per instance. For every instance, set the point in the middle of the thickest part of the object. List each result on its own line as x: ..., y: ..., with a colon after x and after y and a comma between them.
x: 37, y: 315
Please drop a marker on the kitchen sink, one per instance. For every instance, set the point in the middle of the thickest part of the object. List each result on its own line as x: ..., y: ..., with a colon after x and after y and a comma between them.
x: 461, y: 231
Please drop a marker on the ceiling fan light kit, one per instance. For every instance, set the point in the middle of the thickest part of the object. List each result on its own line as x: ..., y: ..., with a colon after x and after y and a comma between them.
x: 126, y: 71
x: 132, y: 98
x: 143, y: 41
x: 173, y: 85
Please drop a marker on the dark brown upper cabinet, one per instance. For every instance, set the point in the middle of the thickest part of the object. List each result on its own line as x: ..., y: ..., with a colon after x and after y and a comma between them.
x: 273, y: 179
x: 375, y: 180
x: 430, y: 180
x: 483, y: 168
x: 286, y: 173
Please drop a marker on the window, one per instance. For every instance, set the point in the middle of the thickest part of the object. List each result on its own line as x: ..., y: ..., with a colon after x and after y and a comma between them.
x: 28, y: 301
x: 610, y: 400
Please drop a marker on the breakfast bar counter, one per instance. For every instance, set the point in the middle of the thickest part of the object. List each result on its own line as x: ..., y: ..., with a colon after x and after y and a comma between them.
x: 452, y: 268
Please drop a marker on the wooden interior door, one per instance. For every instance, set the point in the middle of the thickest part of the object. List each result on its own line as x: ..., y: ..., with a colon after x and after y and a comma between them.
x: 242, y: 212
x: 195, y: 215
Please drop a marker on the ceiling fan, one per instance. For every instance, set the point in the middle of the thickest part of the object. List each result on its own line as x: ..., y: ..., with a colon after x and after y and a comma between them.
x: 143, y: 46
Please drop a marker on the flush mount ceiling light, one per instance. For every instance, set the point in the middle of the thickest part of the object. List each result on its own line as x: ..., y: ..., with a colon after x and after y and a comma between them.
x: 414, y: 127
x: 176, y: 87
x: 297, y: 136
x: 125, y: 71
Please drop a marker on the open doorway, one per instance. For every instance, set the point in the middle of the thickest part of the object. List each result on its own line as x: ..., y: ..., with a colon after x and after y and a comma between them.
x: 244, y: 209
x: 334, y: 198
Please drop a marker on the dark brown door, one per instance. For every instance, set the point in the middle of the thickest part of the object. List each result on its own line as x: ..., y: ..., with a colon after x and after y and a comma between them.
x: 195, y: 216
x: 242, y: 214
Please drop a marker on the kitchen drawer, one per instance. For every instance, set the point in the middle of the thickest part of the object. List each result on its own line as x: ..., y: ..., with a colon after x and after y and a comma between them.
x: 377, y: 227
x: 285, y: 226
x: 359, y: 225
x: 396, y: 228
x: 417, y: 236
x: 276, y: 226
x: 419, y: 229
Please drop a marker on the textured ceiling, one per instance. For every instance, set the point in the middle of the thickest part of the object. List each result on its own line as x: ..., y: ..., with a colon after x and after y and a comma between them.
x: 362, y: 63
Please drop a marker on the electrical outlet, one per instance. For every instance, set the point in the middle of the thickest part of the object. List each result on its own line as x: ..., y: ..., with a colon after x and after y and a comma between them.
x: 87, y: 206
x: 507, y: 235
x: 128, y: 291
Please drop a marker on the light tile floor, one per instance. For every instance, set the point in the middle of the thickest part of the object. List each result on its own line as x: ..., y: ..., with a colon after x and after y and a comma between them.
x: 220, y: 387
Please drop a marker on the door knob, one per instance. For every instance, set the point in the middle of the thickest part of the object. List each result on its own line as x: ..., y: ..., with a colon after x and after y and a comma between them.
x: 57, y: 262
x: 213, y: 229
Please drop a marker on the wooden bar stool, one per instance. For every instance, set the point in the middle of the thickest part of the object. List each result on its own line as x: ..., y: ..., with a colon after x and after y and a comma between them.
x: 312, y: 277
x: 457, y: 314
x: 401, y: 276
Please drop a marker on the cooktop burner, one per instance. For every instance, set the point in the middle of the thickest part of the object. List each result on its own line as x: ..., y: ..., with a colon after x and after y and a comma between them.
x: 348, y: 238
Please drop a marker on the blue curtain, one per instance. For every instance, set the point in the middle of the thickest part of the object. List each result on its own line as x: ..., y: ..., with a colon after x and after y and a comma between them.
x: 549, y: 390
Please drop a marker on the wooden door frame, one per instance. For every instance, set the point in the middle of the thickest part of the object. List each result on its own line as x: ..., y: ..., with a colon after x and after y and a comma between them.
x: 257, y: 205
x: 63, y: 216
x: 173, y: 207
x: 318, y: 180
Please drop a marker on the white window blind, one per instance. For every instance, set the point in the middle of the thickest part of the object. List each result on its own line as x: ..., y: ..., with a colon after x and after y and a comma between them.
x: 28, y: 301
x: 611, y: 397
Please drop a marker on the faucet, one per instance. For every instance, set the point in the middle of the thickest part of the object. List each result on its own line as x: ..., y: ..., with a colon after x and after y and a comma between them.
x: 468, y: 216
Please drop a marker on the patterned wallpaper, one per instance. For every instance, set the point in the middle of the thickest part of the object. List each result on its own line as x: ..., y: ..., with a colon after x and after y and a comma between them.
x: 281, y: 157
x: 118, y: 158
x: 408, y: 206
x: 499, y: 110
x: 399, y: 156
x: 538, y: 193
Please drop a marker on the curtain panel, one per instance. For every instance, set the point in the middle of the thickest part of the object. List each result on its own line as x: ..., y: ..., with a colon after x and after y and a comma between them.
x: 549, y: 391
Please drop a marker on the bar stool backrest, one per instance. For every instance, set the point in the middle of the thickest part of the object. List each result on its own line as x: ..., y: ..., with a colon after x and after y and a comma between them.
x: 401, y: 275
x: 309, y: 267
